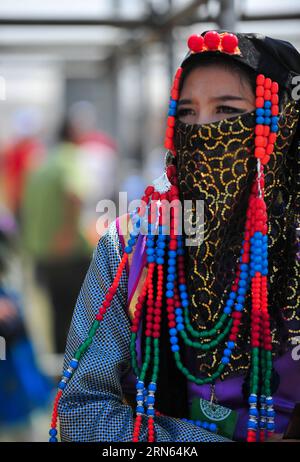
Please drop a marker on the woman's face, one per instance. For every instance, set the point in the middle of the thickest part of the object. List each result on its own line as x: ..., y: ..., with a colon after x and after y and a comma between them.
x: 212, y: 93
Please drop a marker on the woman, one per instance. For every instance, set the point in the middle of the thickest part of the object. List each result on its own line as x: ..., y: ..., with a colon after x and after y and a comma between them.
x: 212, y: 317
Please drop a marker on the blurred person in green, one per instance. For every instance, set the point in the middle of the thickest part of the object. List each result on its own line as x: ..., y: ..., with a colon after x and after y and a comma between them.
x: 51, y: 230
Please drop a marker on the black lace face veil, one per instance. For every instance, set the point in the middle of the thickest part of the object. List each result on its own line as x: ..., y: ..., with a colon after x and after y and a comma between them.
x: 215, y: 162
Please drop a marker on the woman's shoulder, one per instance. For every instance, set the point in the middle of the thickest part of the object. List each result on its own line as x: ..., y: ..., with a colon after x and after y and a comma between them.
x: 112, y: 242
x: 115, y: 232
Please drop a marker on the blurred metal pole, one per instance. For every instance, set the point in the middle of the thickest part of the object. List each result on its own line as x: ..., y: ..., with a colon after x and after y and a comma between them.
x: 113, y: 74
x: 115, y: 5
x: 142, y: 70
x: 227, y: 16
x: 170, y: 47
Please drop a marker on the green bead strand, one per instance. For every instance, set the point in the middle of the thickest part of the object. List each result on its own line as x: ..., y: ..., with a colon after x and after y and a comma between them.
x: 268, y: 366
x: 206, y: 346
x: 78, y: 354
x: 133, y: 354
x: 204, y: 334
x: 87, y: 342
x: 93, y: 329
x: 191, y: 377
x: 155, y: 360
x: 146, y: 359
x: 254, y: 373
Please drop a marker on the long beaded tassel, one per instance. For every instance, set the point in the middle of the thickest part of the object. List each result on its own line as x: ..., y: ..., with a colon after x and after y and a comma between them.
x: 261, y: 421
x: 156, y: 251
x: 261, y: 412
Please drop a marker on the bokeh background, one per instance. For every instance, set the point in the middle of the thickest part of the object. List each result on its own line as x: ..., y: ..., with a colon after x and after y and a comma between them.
x: 84, y: 88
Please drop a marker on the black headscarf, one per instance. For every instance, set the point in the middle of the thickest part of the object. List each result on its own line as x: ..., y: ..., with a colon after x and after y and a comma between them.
x: 274, y: 58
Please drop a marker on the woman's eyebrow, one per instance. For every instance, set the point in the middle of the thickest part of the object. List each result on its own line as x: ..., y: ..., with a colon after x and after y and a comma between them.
x: 216, y: 98
x: 228, y: 98
x: 184, y: 101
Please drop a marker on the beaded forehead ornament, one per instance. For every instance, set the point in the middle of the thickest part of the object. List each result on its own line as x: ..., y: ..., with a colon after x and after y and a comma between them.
x: 251, y: 274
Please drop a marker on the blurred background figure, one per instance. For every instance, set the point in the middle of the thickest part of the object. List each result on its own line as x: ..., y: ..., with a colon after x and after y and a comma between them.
x: 133, y: 182
x: 51, y: 231
x: 23, y: 155
x: 59, y: 210
x: 24, y: 388
x: 97, y: 162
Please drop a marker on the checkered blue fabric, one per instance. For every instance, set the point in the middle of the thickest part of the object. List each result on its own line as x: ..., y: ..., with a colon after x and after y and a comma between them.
x: 91, y: 408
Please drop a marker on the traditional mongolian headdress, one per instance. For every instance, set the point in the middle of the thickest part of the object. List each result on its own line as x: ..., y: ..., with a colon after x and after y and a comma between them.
x: 234, y: 298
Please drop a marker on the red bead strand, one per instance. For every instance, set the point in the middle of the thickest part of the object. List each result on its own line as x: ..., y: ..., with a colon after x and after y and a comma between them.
x: 266, y: 90
x: 55, y: 409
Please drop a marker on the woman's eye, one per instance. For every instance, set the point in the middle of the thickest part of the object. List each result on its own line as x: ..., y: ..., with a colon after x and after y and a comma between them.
x: 229, y: 110
x: 185, y: 112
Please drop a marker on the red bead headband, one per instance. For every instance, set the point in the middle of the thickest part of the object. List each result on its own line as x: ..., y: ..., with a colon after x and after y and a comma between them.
x: 212, y: 41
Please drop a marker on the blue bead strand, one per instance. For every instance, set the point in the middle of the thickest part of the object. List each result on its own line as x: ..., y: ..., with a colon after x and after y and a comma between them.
x: 210, y: 426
